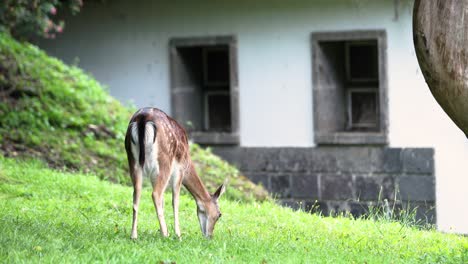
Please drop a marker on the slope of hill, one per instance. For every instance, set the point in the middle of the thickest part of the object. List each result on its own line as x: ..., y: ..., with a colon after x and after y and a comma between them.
x: 59, y: 114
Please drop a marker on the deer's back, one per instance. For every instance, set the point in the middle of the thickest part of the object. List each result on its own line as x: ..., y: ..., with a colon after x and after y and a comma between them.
x: 170, y: 139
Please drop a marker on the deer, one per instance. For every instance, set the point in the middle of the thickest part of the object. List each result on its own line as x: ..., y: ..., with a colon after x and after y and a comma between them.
x: 157, y: 147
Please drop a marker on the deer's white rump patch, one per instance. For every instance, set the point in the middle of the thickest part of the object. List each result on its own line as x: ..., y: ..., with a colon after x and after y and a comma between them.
x: 151, y: 166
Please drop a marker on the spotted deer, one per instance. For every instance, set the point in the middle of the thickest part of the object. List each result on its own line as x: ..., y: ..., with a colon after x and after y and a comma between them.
x: 157, y: 147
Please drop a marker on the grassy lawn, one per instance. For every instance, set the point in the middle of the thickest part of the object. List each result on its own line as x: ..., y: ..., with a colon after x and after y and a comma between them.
x: 52, y: 216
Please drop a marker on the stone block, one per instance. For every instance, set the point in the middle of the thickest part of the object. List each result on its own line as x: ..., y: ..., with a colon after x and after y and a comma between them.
x: 322, y: 160
x: 359, y: 159
x: 231, y: 154
x: 392, y: 160
x: 293, y: 159
x: 254, y: 159
x: 418, y: 161
x: 260, y: 178
x: 336, y: 187
x: 416, y: 188
x: 374, y: 188
x: 304, y: 186
x: 281, y: 185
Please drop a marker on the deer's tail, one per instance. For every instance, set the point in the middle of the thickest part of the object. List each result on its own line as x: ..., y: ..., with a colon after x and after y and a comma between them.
x: 144, y: 132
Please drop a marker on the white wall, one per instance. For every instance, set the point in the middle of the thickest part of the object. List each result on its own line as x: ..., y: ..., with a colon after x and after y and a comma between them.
x: 125, y: 46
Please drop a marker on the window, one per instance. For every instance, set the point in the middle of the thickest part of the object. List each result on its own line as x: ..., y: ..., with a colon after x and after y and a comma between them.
x: 362, y: 108
x: 204, y: 88
x: 349, y: 78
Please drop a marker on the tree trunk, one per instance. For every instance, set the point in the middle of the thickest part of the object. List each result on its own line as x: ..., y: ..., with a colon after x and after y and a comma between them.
x: 440, y: 35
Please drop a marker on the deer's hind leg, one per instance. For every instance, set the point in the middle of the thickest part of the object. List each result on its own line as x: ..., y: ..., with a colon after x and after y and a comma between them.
x: 159, y: 186
x: 136, y: 175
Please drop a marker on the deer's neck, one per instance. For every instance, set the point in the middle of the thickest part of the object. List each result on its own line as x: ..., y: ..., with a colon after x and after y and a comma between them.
x: 195, y: 186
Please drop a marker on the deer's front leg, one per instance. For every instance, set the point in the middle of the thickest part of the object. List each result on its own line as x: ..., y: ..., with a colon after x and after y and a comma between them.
x: 137, y: 183
x: 158, y: 198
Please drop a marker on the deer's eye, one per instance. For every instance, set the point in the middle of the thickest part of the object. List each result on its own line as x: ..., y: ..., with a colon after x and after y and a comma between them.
x: 219, y: 216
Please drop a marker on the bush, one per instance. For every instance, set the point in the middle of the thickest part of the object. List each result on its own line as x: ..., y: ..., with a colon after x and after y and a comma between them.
x: 26, y: 18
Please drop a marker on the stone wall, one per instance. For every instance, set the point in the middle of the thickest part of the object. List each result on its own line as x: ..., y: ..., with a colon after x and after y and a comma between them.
x: 337, y: 179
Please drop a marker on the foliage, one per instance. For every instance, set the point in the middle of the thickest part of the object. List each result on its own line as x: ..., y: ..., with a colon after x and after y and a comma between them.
x: 28, y: 18
x: 57, y: 113
x: 48, y: 216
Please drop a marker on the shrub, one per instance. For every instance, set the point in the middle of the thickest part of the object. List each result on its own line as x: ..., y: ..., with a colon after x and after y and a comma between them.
x: 26, y: 18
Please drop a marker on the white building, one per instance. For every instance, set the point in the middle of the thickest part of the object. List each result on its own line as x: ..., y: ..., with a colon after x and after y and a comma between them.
x: 334, y: 86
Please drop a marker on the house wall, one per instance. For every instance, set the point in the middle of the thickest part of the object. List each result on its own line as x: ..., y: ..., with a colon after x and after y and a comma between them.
x: 125, y: 46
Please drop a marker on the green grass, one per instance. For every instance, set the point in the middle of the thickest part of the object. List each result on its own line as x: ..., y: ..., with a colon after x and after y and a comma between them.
x: 58, y: 113
x: 59, y: 217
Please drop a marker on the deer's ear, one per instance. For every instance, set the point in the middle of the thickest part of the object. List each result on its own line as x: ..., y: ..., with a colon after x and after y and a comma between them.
x: 219, y: 191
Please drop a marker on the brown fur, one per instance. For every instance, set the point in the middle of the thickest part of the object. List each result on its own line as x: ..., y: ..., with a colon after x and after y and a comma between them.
x: 173, y: 147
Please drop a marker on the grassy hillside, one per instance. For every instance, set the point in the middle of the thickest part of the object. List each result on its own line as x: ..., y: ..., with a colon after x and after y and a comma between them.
x: 57, y: 217
x: 59, y: 114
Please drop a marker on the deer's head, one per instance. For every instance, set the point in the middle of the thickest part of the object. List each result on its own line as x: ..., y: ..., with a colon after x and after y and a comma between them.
x: 209, y: 213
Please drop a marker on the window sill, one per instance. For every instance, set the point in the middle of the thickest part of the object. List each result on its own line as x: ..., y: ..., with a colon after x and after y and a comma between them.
x: 351, y: 138
x: 215, y: 138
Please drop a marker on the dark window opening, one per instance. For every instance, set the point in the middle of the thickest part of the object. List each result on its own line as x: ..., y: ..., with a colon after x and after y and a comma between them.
x: 208, y: 67
x: 218, y: 111
x: 363, y: 110
x: 216, y: 67
x: 362, y: 72
x: 201, y: 87
x: 350, y: 105
x: 362, y: 61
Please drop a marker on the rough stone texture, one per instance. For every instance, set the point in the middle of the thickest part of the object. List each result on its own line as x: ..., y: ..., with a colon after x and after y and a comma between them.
x: 374, y: 188
x: 417, y: 188
x: 336, y: 187
x: 281, y: 185
x: 335, y: 179
x: 418, y: 160
x: 392, y: 161
x: 305, y: 186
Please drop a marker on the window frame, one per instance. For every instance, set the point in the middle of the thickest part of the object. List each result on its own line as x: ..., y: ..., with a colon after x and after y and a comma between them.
x: 208, y: 137
x: 323, y: 136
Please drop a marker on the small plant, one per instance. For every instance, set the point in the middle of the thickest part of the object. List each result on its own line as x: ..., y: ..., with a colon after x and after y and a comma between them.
x: 396, y: 210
